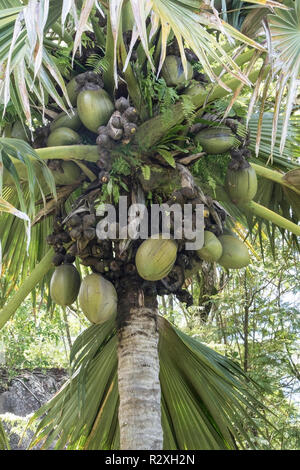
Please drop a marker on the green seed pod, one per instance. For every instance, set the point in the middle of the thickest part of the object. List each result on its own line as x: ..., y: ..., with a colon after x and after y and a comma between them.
x: 98, y: 298
x: 63, y: 136
x: 241, y: 185
x: 216, y: 140
x: 65, y: 284
x: 212, y: 248
x: 155, y: 258
x: 235, y: 254
x: 94, y: 108
x: 63, y: 120
x: 173, y: 72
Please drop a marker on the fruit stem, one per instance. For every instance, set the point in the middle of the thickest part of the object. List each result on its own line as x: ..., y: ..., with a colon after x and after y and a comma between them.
x: 70, y: 152
x: 273, y: 176
x: 27, y: 286
x: 271, y: 216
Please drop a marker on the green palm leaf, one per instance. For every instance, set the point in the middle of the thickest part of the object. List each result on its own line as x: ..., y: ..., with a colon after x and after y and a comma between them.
x: 23, y: 55
x: 204, y: 396
x: 18, y: 262
x: 32, y: 169
x: 4, y: 444
x: 284, y: 52
x: 290, y: 157
x: 20, y: 161
x: 188, y: 23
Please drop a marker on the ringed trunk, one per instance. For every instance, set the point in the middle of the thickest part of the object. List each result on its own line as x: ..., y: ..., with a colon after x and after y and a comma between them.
x: 138, y: 370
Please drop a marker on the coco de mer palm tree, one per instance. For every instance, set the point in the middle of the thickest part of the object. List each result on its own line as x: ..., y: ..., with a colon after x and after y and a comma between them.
x: 140, y: 103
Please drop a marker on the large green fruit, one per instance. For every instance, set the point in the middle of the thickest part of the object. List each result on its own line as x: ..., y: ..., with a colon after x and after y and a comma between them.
x: 97, y: 298
x: 63, y: 120
x: 72, y: 91
x: 155, y: 258
x: 212, y: 248
x: 235, y: 254
x: 241, y: 185
x: 216, y: 140
x: 63, y: 136
x: 19, y: 132
x: 173, y: 72
x: 65, y: 284
x: 94, y: 108
x: 69, y: 174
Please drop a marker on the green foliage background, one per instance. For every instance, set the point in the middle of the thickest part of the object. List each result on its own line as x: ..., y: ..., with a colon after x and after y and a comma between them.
x: 255, y: 308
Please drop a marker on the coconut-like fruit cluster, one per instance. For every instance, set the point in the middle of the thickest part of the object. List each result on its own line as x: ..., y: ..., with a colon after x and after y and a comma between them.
x: 96, y: 294
x: 159, y: 264
x: 94, y: 112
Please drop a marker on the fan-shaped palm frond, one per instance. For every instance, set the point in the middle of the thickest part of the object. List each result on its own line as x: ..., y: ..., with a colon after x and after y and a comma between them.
x: 272, y: 192
x: 29, y: 70
x: 204, y: 396
x: 283, y: 39
x: 290, y: 157
x: 285, y: 33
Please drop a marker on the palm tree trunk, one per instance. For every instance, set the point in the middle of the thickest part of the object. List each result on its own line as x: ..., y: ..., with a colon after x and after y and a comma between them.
x: 138, y: 370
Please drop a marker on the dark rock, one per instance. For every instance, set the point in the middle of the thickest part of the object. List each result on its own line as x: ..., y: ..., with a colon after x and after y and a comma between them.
x: 23, y: 395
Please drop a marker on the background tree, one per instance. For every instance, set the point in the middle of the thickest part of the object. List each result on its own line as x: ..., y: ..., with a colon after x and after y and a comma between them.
x: 144, y: 151
x: 252, y: 319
